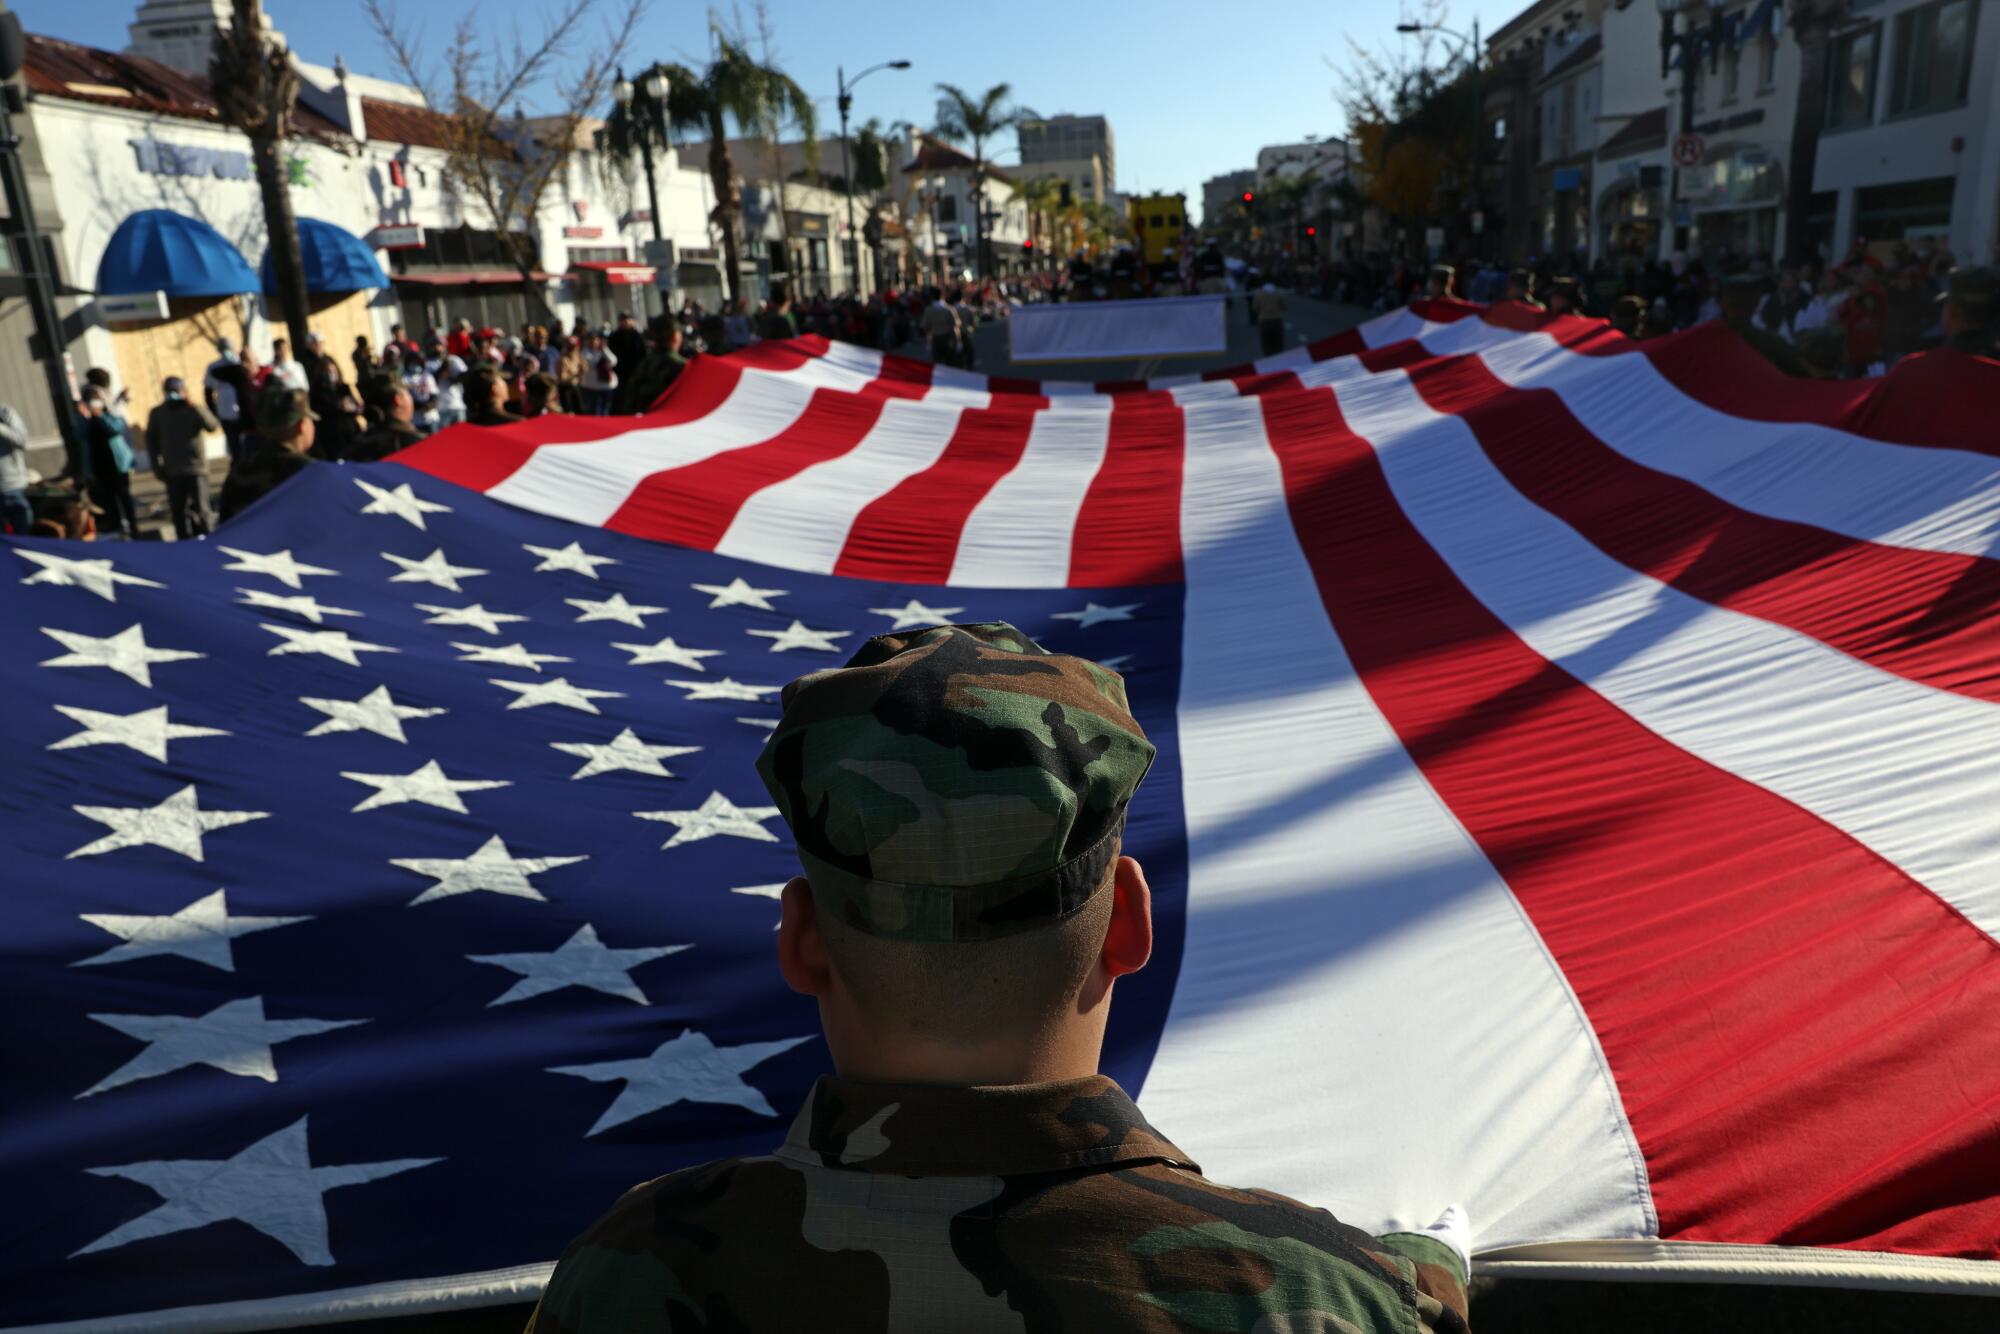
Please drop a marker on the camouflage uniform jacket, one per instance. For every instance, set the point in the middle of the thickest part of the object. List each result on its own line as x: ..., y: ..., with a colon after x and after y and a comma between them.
x: 1039, y: 1207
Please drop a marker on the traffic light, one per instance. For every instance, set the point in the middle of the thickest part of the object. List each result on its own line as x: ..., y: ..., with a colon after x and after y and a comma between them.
x: 1312, y: 231
x: 1028, y: 246
x: 1249, y: 196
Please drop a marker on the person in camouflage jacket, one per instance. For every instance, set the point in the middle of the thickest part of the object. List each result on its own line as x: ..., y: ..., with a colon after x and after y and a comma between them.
x: 958, y: 796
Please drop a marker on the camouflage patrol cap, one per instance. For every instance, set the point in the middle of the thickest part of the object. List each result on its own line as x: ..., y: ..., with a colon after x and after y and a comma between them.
x: 1974, y: 290
x: 958, y: 783
x: 279, y: 412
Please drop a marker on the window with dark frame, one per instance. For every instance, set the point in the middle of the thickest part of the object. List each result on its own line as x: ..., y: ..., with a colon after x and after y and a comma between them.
x: 1932, y: 58
x: 1850, y: 91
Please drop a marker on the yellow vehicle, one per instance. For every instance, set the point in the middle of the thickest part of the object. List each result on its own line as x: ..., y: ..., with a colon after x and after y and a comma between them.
x: 1158, y: 223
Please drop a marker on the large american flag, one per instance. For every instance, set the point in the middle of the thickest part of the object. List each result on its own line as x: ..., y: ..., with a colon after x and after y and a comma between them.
x: 1576, y: 803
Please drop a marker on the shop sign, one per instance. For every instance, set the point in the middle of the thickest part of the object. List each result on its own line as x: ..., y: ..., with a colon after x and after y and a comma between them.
x: 158, y: 158
x: 635, y: 275
x: 399, y: 236
x: 582, y: 233
x: 133, y: 306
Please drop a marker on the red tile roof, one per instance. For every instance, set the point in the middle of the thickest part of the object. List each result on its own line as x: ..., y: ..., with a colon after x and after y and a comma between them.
x: 401, y: 123
x: 934, y: 154
x: 56, y: 68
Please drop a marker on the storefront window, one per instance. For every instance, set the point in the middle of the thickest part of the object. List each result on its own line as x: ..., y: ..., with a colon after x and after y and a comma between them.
x: 1933, y: 60
x: 1910, y: 208
x: 1767, y: 63
x: 1851, y: 85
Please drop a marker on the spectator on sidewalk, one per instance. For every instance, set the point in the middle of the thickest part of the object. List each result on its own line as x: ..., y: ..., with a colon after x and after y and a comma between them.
x: 540, y: 396
x: 600, y: 376
x: 174, y: 434
x: 16, y: 514
x: 486, y: 398
x: 285, y: 372
x: 391, y: 423
x: 225, y: 386
x: 110, y: 461
x: 628, y: 345
x: 662, y: 366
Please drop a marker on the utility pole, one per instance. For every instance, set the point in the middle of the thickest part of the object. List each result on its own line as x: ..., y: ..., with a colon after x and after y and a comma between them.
x: 34, y: 260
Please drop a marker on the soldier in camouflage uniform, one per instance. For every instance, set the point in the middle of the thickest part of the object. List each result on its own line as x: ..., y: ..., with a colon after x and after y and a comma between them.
x: 958, y: 798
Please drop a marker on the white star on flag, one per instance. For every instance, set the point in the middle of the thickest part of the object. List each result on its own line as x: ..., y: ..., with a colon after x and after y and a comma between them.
x: 613, y: 608
x: 475, y: 616
x: 428, y: 785
x: 668, y: 651
x: 768, y: 724
x: 92, y: 576
x: 724, y: 689
x: 278, y: 564
x: 432, y: 569
x: 201, y: 932
x: 375, y: 712
x: 400, y: 501
x: 148, y: 731
x: 1093, y: 614
x: 571, y: 557
x: 624, y: 751
x: 271, y: 1185
x: 507, y: 655
x: 534, y: 694
x: 737, y: 593
x: 580, y: 961
x: 490, y: 868
x: 1116, y: 663
x: 716, y: 815
x: 688, y: 1068
x: 299, y: 604
x: 915, y: 614
x: 776, y: 891
x: 126, y: 652
x: 796, y: 635
x: 176, y: 824
x: 234, y: 1037
x: 335, y: 644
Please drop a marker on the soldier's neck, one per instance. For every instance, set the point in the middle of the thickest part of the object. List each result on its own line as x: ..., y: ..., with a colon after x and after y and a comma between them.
x: 1070, y: 1051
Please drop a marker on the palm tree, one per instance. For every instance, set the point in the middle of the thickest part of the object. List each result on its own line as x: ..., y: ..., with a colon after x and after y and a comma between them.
x: 733, y: 87
x: 964, y: 118
x: 1812, y: 23
x: 256, y: 90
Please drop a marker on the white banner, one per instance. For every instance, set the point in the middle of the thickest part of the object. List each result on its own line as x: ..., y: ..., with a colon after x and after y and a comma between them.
x: 1181, y: 326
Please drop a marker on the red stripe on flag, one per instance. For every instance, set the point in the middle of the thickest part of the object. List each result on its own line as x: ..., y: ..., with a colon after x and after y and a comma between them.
x: 911, y: 533
x: 1923, y: 615
x: 694, y: 505
x: 1802, y: 1035
x: 902, y: 377
x: 1128, y: 530
x: 782, y: 354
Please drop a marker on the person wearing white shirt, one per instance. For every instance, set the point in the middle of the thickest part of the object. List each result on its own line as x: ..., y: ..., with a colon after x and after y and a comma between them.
x: 285, y: 372
x: 448, y: 371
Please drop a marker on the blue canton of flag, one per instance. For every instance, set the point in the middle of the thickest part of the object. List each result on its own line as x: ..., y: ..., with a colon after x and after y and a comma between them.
x: 390, y: 887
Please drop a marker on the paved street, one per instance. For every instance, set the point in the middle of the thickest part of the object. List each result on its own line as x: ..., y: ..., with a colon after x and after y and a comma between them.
x: 1307, y: 319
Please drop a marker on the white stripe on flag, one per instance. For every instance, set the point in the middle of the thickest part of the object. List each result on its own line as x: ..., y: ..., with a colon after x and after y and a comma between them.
x: 1899, y: 495
x: 802, y: 522
x: 1352, y: 958
x: 1904, y: 769
x: 587, y: 483
x: 1020, y: 534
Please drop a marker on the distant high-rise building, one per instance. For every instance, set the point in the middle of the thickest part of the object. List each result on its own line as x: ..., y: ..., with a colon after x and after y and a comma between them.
x: 179, y: 33
x: 1079, y: 149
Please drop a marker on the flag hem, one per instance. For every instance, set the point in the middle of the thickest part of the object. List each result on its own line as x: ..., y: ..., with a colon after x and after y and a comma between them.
x: 401, y: 1297
x: 1644, y: 1260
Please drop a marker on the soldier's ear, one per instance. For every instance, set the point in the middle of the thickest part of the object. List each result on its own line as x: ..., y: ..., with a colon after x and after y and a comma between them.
x: 801, y: 948
x: 1128, y: 942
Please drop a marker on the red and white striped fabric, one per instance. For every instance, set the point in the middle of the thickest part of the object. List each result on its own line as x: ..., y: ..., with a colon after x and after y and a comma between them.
x: 1599, y: 739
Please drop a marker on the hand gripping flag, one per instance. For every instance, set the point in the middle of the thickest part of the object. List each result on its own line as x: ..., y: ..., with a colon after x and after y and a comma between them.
x: 1575, y: 801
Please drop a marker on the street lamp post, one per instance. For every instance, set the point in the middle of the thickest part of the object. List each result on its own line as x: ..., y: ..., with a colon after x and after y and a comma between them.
x: 847, y: 165
x: 1471, y: 45
x: 1688, y: 41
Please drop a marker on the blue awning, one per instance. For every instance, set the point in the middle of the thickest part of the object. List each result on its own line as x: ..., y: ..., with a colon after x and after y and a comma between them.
x: 336, y: 260
x: 158, y: 250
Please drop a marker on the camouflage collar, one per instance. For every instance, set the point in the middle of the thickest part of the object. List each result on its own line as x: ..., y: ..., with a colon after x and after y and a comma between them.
x: 1006, y: 1130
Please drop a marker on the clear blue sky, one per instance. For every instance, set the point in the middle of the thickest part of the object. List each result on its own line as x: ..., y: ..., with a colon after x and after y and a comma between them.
x: 1192, y: 87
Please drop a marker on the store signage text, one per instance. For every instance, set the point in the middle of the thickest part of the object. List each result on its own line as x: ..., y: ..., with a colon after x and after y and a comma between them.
x: 157, y: 158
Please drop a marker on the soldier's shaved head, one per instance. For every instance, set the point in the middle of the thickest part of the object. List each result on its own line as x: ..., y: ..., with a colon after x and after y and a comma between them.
x: 965, y: 992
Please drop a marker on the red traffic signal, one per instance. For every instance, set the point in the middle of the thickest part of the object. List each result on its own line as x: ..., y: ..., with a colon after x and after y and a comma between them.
x: 1249, y: 196
x: 1312, y: 231
x: 1028, y: 244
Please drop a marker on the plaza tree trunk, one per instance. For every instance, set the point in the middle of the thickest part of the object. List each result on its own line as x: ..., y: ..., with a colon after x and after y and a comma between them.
x: 722, y: 174
x: 1812, y: 27
x: 288, y: 269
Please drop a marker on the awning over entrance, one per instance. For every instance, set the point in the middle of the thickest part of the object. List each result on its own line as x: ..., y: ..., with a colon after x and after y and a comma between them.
x: 466, y: 278
x: 335, y: 260
x: 617, y: 272
x: 158, y: 250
